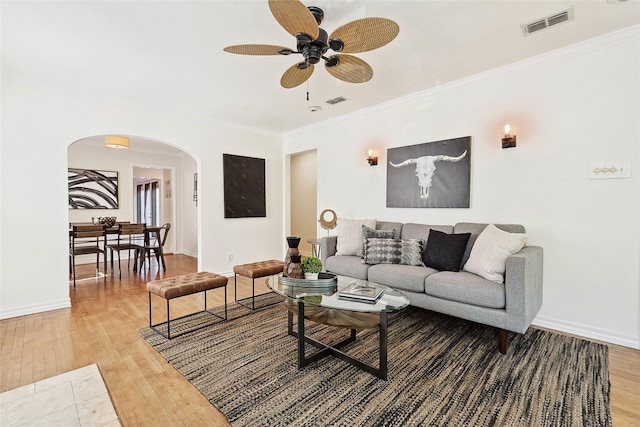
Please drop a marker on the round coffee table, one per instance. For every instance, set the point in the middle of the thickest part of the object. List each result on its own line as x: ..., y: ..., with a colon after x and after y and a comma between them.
x: 320, y: 302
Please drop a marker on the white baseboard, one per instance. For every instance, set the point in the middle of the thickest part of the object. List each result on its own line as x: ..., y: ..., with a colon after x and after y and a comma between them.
x: 36, y: 308
x: 587, y: 332
x: 188, y: 253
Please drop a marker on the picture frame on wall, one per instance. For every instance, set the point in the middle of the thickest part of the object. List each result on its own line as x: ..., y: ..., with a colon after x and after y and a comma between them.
x: 92, y: 189
x: 430, y: 175
x: 244, y: 187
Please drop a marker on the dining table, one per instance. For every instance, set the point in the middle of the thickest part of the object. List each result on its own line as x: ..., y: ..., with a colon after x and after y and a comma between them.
x: 113, y: 231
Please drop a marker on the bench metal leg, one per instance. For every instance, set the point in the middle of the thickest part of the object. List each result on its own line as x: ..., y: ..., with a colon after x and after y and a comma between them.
x: 169, y: 320
x: 253, y: 294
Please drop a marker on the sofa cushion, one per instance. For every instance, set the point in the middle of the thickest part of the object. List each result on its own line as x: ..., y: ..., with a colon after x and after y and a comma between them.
x: 444, y: 251
x: 368, y: 232
x: 401, y: 277
x: 465, y: 287
x: 393, y: 251
x: 421, y: 231
x: 349, y: 233
x: 351, y: 266
x: 490, y: 252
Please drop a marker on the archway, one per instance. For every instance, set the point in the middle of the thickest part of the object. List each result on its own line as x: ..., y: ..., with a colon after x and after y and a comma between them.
x: 145, y: 159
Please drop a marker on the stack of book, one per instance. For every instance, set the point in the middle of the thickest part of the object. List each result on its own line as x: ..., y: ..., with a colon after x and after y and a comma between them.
x: 361, y: 292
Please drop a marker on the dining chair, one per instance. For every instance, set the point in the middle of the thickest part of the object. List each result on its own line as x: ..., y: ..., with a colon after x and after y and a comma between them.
x: 156, y: 244
x: 130, y: 238
x: 87, y: 240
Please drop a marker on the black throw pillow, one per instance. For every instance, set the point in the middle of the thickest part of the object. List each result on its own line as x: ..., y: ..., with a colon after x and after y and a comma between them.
x: 444, y: 251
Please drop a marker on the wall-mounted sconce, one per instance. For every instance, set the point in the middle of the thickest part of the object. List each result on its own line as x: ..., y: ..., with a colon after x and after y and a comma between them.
x: 509, y: 141
x: 373, y: 160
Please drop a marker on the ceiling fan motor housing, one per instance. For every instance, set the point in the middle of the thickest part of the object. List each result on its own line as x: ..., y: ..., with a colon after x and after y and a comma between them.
x: 313, y: 51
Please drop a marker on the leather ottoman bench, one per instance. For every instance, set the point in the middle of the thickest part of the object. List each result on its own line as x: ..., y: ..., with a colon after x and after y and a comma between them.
x: 254, y: 271
x: 180, y: 286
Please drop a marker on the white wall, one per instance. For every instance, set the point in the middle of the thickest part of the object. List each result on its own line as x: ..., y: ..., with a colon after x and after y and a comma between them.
x: 38, y: 126
x: 568, y: 109
x: 188, y: 211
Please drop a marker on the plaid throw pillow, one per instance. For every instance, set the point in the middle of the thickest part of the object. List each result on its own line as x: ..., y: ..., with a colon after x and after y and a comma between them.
x: 393, y: 251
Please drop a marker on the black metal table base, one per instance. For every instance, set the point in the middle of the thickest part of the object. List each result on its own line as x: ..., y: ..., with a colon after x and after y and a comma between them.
x: 334, y: 350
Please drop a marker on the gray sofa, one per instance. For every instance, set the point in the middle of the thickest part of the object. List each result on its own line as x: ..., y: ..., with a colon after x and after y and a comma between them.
x: 510, y: 306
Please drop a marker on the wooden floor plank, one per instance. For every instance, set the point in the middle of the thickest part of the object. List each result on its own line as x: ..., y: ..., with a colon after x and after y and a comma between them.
x: 102, y: 327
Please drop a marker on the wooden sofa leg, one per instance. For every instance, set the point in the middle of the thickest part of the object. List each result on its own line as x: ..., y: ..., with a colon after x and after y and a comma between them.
x: 502, y: 339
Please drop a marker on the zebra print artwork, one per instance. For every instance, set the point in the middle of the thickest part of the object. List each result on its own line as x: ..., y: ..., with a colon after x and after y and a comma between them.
x: 93, y: 189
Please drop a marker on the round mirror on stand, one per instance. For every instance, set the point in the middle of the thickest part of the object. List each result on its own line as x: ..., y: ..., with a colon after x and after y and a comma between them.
x: 328, y: 224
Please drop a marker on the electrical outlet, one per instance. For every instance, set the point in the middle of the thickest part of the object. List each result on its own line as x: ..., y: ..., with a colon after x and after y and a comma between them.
x: 229, y: 256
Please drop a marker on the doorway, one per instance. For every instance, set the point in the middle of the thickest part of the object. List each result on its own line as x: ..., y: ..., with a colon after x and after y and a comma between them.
x: 152, y: 197
x: 304, y: 195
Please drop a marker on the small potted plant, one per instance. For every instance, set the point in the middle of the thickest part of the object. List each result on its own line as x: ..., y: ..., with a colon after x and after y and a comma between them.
x: 311, y: 267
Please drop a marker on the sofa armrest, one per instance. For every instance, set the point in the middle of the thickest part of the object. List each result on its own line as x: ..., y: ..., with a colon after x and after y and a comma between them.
x: 328, y: 247
x: 523, y: 287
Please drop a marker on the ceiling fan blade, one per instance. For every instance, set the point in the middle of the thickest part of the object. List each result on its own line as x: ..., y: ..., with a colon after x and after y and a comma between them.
x: 351, y: 69
x: 366, y: 34
x: 294, y: 76
x: 294, y: 17
x: 255, y: 49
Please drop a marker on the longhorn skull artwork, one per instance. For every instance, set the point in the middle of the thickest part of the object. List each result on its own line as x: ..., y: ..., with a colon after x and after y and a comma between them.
x: 425, y: 168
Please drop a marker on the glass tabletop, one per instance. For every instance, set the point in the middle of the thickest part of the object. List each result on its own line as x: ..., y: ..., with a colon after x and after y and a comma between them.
x: 325, y: 293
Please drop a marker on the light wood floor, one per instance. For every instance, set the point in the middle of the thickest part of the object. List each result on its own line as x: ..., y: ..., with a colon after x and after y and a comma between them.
x: 102, y: 327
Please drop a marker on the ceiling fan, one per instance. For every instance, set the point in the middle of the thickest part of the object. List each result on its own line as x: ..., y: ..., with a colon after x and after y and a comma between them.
x: 313, y: 43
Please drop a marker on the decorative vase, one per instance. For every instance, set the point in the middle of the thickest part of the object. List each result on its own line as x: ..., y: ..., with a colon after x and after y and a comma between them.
x: 311, y: 276
x: 294, y: 270
x: 292, y: 242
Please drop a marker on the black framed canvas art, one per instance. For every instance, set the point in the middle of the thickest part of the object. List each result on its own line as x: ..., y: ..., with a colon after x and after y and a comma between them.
x: 244, y: 187
x: 430, y: 175
x: 92, y: 189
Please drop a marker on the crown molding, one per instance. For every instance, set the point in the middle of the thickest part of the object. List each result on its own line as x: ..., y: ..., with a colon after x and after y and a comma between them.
x: 597, y: 44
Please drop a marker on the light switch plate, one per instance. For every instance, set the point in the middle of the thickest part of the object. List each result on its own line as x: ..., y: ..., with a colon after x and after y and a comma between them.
x: 609, y: 170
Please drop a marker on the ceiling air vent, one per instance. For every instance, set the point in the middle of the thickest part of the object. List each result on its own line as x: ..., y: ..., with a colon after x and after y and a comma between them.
x: 336, y: 100
x: 549, y: 21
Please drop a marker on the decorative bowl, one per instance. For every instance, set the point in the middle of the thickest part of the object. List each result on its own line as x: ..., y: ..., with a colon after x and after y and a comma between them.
x: 109, y: 221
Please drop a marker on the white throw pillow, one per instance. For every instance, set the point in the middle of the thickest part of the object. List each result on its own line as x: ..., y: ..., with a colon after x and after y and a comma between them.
x: 490, y: 251
x: 349, y: 233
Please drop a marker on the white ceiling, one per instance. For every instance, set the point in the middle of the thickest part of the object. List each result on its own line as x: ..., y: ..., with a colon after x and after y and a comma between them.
x: 167, y: 56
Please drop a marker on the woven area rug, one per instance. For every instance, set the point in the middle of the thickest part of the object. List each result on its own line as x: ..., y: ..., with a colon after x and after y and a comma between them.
x: 443, y: 371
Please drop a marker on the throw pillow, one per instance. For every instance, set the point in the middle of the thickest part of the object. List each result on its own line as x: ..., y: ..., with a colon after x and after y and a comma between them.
x: 489, y: 254
x: 444, y: 251
x: 349, y: 233
x: 393, y: 251
x: 368, y: 232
